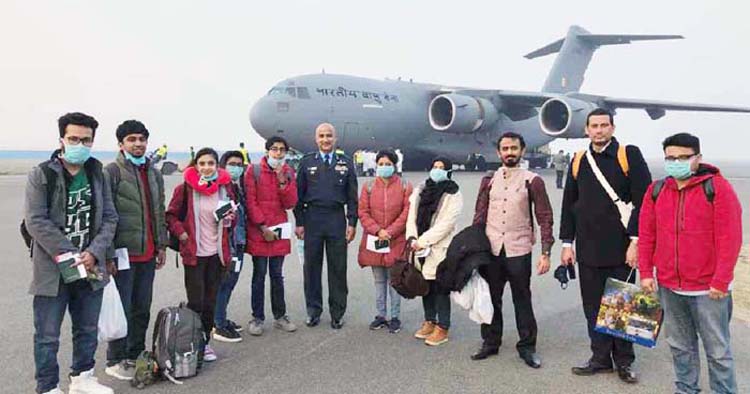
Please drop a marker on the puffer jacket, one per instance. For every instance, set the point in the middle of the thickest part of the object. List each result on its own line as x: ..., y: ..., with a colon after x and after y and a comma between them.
x: 692, y: 243
x: 469, y: 250
x: 189, y: 248
x: 267, y: 204
x: 383, y: 206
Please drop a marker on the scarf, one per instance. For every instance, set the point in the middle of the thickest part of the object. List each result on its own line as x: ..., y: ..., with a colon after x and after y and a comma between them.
x: 429, y: 199
x: 193, y: 178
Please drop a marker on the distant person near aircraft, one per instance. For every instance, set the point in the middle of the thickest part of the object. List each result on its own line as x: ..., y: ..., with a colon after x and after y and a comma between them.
x: 245, y: 156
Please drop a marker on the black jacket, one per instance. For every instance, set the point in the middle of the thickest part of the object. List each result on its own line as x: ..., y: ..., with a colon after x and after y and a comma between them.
x: 468, y: 250
x: 590, y: 217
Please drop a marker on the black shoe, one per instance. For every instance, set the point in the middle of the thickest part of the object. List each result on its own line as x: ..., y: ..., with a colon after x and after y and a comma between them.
x: 484, y: 352
x: 627, y: 374
x: 590, y: 368
x: 226, y: 334
x: 531, y: 359
x: 234, y: 326
x: 378, y: 323
x: 394, y: 326
x: 337, y: 324
x: 312, y: 321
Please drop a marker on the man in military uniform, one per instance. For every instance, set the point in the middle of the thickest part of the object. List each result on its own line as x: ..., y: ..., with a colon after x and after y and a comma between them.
x: 326, y: 182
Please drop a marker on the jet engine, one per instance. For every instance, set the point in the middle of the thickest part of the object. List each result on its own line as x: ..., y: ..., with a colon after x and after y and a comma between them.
x: 458, y: 113
x: 564, y: 117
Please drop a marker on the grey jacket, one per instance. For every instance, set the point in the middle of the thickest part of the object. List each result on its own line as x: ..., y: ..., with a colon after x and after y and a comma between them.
x: 129, y: 195
x: 46, y: 224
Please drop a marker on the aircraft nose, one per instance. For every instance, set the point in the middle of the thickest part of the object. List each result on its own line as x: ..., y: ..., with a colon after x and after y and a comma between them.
x: 263, y: 117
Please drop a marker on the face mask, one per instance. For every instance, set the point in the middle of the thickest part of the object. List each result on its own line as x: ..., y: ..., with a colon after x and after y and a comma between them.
x: 384, y: 171
x: 235, y: 172
x: 679, y: 169
x: 275, y: 163
x: 438, y: 175
x: 211, y: 178
x: 138, y: 161
x: 76, y: 154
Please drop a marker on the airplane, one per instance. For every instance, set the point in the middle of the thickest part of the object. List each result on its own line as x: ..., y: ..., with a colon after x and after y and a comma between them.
x: 427, y: 120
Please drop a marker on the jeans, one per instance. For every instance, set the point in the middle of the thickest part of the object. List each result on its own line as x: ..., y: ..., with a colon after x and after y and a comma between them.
x: 274, y: 266
x: 83, y: 304
x: 437, y: 306
x: 559, y: 179
x: 201, y: 283
x: 688, y: 317
x: 382, y: 288
x: 136, y: 287
x: 225, y: 289
x: 517, y: 272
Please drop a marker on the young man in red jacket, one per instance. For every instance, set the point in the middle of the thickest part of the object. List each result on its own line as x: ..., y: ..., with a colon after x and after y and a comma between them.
x: 691, y: 233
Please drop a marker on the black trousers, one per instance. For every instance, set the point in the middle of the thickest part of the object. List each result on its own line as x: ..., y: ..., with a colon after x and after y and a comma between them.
x: 559, y: 180
x: 325, y: 229
x: 604, y: 348
x: 201, y: 283
x: 517, y: 272
x: 136, y: 288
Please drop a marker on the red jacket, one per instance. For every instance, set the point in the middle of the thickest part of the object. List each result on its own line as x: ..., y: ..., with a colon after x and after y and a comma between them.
x: 693, y: 243
x: 188, y: 249
x: 267, y: 204
x: 384, y: 207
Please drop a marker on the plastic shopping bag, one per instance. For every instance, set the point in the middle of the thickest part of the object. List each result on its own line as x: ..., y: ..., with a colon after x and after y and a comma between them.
x: 301, y: 251
x: 482, y: 309
x: 112, y: 322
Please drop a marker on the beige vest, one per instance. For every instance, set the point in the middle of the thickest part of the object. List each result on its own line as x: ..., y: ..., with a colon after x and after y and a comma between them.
x: 509, y: 221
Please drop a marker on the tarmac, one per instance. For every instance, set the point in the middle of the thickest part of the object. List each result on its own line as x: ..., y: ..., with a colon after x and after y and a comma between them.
x: 355, y: 359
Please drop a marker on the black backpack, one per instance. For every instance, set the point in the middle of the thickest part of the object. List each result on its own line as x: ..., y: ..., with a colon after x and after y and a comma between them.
x: 707, y: 184
x: 178, y: 343
x: 51, y: 177
x: 174, y: 239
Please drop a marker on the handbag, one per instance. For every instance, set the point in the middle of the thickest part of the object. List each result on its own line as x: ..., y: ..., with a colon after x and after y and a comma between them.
x: 406, y: 279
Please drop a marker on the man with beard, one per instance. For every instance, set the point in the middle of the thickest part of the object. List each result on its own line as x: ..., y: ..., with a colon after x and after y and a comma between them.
x: 507, y: 202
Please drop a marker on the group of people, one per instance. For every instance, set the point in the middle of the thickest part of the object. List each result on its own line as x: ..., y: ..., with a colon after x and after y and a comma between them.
x: 685, y: 231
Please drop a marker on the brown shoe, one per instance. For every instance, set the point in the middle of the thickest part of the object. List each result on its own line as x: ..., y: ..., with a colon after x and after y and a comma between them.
x: 438, y: 337
x: 425, y: 331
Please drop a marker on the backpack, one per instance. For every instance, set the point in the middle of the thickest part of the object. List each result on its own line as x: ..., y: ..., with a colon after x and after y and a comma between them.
x: 174, y: 239
x: 707, y: 184
x: 178, y: 343
x: 622, y: 159
x: 51, y: 177
x: 146, y: 370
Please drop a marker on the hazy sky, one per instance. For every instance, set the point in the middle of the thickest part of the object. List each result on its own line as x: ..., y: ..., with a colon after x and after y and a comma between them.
x: 191, y: 70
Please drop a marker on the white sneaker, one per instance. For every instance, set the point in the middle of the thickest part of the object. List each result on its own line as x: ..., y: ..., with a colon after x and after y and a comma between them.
x: 122, y: 370
x: 55, y: 390
x: 87, y: 383
x: 209, y: 354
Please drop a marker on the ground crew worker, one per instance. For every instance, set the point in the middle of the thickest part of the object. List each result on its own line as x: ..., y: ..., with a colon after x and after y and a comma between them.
x: 245, y: 157
x: 326, y: 183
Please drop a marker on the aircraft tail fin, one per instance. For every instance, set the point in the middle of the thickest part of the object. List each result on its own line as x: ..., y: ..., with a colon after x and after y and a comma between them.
x: 575, y: 52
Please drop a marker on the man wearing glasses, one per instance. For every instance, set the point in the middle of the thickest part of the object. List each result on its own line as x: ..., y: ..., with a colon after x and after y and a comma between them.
x: 691, y: 234
x: 69, y: 210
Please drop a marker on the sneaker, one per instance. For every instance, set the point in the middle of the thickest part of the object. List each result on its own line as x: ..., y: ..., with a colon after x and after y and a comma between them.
x: 284, y: 324
x: 55, y: 390
x: 122, y: 370
x: 227, y: 334
x: 234, y: 326
x: 394, y: 325
x: 255, y: 327
x: 209, y: 355
x: 425, y: 331
x: 87, y: 383
x: 378, y: 323
x: 438, y: 337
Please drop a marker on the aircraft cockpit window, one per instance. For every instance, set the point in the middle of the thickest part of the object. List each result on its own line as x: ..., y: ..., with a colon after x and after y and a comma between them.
x: 291, y: 91
x: 275, y: 91
x: 303, y: 93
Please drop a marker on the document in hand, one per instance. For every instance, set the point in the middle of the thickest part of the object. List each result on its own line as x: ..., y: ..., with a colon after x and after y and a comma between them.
x: 283, y: 230
x: 69, y: 271
x: 223, y: 209
x: 627, y: 312
x: 375, y: 244
x: 123, y: 259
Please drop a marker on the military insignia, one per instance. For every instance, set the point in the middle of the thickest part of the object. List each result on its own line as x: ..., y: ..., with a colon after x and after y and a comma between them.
x: 312, y: 170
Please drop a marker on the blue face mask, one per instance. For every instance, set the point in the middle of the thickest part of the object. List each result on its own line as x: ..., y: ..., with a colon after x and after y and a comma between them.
x: 384, y: 171
x: 679, y: 169
x: 275, y: 163
x: 138, y: 161
x: 76, y: 154
x: 438, y: 175
x: 235, y: 172
x: 211, y: 178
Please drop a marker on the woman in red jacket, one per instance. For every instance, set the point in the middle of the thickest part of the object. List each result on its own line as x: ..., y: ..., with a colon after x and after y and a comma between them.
x: 204, y: 240
x: 383, y: 208
x: 270, y: 191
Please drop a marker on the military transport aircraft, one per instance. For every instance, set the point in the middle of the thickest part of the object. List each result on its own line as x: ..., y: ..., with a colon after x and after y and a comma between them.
x: 425, y: 120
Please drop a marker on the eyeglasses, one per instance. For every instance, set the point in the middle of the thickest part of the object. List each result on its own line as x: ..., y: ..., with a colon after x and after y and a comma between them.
x: 73, y: 140
x: 277, y: 149
x: 679, y: 158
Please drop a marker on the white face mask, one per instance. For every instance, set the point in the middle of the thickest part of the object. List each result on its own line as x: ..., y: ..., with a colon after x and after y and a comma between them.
x: 275, y: 163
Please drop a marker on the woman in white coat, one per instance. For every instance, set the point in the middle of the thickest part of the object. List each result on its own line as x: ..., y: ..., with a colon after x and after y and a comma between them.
x: 434, y: 209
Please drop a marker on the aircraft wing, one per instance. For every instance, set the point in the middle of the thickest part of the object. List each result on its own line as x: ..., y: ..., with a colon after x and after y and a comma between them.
x: 656, y: 109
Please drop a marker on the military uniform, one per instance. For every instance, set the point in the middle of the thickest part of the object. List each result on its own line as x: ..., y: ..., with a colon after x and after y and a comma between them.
x: 325, y: 184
